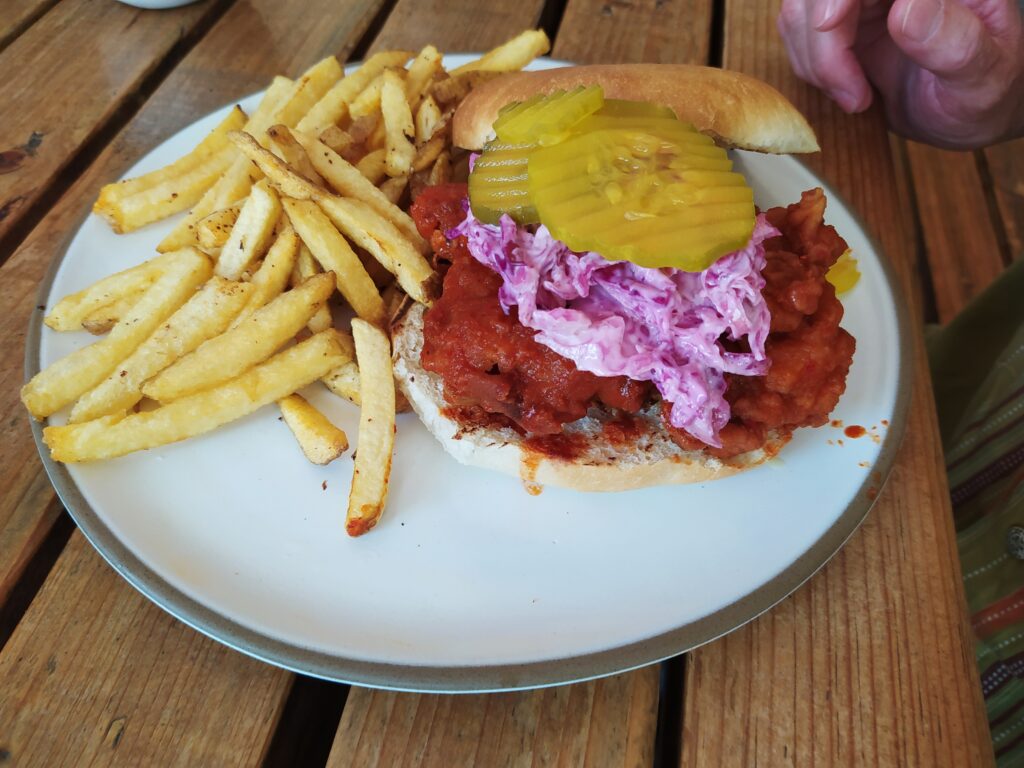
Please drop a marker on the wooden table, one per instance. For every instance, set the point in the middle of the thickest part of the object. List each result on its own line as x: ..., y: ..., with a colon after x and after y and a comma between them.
x: 870, y: 663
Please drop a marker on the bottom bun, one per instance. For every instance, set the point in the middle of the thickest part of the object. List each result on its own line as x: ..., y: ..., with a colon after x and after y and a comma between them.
x: 650, y: 459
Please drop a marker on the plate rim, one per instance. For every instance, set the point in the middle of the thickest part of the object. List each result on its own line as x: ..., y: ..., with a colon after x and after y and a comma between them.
x: 484, y: 678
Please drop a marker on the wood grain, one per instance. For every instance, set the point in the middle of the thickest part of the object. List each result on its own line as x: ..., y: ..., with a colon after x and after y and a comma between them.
x: 962, y: 246
x: 18, y: 15
x: 114, y: 54
x: 455, y: 26
x: 609, y: 722
x: 871, y: 662
x: 96, y: 674
x: 224, y: 66
x: 594, y: 31
x: 1006, y: 169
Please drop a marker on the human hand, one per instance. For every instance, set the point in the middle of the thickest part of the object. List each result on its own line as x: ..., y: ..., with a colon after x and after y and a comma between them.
x: 950, y: 72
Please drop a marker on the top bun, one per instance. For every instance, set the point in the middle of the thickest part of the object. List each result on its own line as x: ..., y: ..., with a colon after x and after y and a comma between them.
x: 736, y: 110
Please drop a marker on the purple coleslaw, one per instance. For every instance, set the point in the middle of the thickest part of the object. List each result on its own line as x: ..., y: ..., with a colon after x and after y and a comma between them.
x: 614, y: 318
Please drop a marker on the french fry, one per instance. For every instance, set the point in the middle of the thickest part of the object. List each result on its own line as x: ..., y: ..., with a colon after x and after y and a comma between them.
x: 252, y: 231
x: 305, y: 267
x: 234, y: 185
x: 354, y: 219
x: 270, y: 279
x: 292, y: 152
x: 333, y: 106
x: 361, y: 127
x: 379, y: 237
x: 398, y: 126
x: 319, y: 439
x: 427, y: 154
x: 428, y: 115
x: 392, y: 189
x: 454, y: 88
x: 373, y: 166
x: 251, y: 342
x: 68, y: 313
x: 512, y: 55
x: 372, y: 469
x: 421, y: 73
x: 348, y: 181
x: 368, y: 101
x: 309, y: 89
x: 105, y: 318
x: 441, y: 173
x: 206, y: 314
x: 344, y: 381
x: 133, y: 203
x: 278, y: 377
x: 336, y: 255
x: 338, y: 140
x: 378, y: 138
x: 215, y: 229
x: 68, y: 378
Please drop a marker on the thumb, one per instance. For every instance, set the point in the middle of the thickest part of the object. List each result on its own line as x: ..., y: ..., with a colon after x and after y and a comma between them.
x: 945, y: 38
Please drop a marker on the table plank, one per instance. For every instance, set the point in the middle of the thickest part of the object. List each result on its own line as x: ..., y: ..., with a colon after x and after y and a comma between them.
x: 961, y: 243
x: 224, y: 66
x: 870, y: 663
x: 18, y: 15
x: 605, y: 723
x: 1006, y: 168
x: 115, y: 680
x: 116, y: 47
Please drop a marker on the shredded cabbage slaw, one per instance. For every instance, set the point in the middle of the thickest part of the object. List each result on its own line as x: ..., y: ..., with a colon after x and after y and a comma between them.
x: 614, y: 318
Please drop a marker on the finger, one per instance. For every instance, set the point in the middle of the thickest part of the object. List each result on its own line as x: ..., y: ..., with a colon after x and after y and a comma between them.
x: 831, y: 59
x: 792, y: 26
x: 829, y: 14
x: 943, y: 37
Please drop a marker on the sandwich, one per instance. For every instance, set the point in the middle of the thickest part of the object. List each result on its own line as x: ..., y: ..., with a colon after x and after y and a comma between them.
x: 616, y: 312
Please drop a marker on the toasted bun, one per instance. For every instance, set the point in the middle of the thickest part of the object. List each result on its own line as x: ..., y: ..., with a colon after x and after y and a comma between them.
x: 737, y: 110
x: 652, y: 460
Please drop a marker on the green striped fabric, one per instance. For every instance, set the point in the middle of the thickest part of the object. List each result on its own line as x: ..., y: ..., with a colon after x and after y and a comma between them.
x: 978, y: 371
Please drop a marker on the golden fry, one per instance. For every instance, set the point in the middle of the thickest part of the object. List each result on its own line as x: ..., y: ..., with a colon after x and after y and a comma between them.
x: 428, y: 116
x: 292, y: 152
x: 305, y: 268
x: 270, y: 279
x: 70, y: 377
x: 278, y: 377
x: 320, y: 440
x: 333, y: 106
x: 336, y: 255
x: 372, y: 469
x: 133, y: 203
x: 398, y: 126
x: 373, y: 166
x: 251, y: 234
x: 510, y: 56
x: 428, y: 153
x: 215, y: 229
x: 453, y: 89
x: 105, y: 318
x: 441, y: 173
x: 250, y: 342
x: 307, y: 91
x: 206, y: 314
x: 68, y: 313
x: 421, y: 73
x: 393, y: 189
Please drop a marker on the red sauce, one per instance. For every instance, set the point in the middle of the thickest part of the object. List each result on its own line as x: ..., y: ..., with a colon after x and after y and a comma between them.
x: 494, y: 372
x: 854, y: 431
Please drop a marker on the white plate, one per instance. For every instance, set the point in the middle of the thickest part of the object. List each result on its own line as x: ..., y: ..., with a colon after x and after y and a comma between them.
x: 469, y: 583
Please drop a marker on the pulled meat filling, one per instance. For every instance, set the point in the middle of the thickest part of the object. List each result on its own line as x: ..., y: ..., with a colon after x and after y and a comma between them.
x: 495, y: 373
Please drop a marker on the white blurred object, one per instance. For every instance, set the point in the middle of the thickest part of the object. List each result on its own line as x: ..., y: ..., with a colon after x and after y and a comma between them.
x: 156, y: 5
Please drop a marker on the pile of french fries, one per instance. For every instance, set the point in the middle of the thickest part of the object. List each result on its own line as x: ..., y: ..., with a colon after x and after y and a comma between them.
x: 285, y: 210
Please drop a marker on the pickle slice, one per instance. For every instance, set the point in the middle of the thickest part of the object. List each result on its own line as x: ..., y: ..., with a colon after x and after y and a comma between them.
x: 548, y: 120
x: 657, y: 193
x: 844, y: 273
x: 498, y: 184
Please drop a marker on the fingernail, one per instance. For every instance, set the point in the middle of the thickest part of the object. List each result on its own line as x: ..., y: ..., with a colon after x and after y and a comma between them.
x: 921, y: 19
x: 824, y: 13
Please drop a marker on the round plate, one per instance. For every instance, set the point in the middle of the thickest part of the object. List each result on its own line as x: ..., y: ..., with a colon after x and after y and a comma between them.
x: 469, y: 583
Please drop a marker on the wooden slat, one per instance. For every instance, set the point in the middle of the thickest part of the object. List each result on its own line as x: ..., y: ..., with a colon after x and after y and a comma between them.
x: 17, y: 16
x: 871, y: 662
x: 1006, y: 168
x: 609, y: 722
x: 53, y: 106
x: 96, y: 674
x: 455, y: 25
x: 647, y: 30
x: 252, y: 42
x: 960, y: 240
x: 605, y: 723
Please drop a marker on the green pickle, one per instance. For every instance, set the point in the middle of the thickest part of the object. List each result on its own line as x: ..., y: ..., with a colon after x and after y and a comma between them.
x: 623, y: 178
